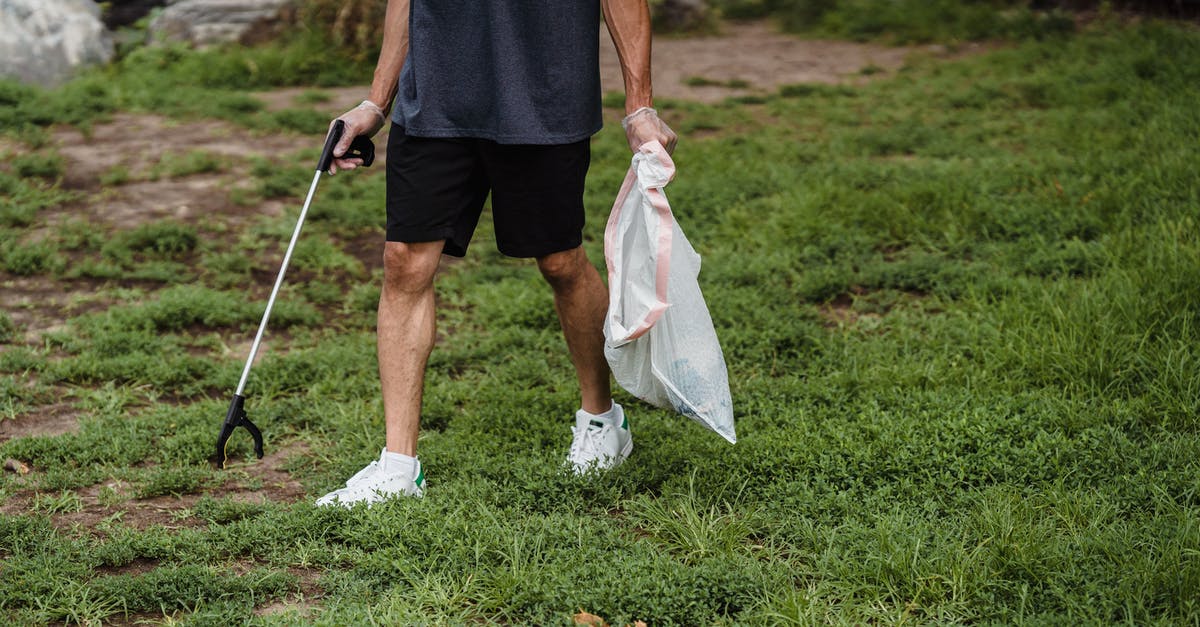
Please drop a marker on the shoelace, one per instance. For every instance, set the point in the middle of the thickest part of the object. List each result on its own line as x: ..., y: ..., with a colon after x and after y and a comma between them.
x: 589, y: 440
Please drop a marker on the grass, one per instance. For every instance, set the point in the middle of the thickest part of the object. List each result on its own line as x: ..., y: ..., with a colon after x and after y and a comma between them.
x: 905, y: 21
x: 174, y: 165
x: 958, y: 306
x: 701, y: 81
x: 172, y: 79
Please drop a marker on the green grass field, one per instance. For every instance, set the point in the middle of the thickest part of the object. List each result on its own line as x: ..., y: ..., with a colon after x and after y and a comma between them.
x: 961, y: 313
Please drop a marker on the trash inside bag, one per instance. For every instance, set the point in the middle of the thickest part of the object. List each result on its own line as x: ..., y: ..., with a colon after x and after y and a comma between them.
x: 659, y: 339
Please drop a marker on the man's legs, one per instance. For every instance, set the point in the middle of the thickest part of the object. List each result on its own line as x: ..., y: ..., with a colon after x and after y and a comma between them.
x: 601, y: 434
x: 406, y: 334
x: 406, y: 327
x: 581, y: 301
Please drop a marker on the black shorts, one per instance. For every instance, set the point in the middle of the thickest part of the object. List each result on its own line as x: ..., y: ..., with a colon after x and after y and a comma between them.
x: 436, y: 188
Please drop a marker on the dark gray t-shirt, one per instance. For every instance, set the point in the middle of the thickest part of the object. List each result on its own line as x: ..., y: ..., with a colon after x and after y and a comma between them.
x: 512, y: 71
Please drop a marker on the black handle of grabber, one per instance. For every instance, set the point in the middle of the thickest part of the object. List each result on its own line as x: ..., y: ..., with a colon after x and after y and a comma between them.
x: 234, y: 418
x: 361, y: 148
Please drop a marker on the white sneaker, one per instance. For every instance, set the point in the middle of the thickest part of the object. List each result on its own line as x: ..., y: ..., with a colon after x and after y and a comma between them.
x: 599, y: 443
x: 376, y: 482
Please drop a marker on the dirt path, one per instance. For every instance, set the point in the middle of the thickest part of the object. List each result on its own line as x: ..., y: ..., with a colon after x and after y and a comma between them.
x: 135, y: 143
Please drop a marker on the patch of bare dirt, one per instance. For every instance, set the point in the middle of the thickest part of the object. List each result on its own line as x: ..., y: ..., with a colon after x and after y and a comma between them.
x: 53, y: 419
x: 840, y: 312
x: 139, y: 566
x: 249, y: 481
x: 302, y: 603
x: 171, y: 512
x: 186, y: 199
x: 864, y: 309
x: 339, y: 99
x: 136, y: 143
x: 38, y: 305
x: 95, y: 509
x: 278, y: 485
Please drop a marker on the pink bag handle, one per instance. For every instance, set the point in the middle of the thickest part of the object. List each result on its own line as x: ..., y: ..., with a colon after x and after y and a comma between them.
x: 663, y: 239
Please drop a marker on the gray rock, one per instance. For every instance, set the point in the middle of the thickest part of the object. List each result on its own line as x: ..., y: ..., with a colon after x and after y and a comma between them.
x: 44, y: 41
x: 204, y: 22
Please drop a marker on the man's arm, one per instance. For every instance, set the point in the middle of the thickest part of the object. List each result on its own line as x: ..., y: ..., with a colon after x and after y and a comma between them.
x: 370, y: 116
x: 629, y: 25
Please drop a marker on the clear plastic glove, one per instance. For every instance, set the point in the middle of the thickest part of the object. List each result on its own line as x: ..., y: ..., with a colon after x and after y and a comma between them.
x: 365, y: 119
x: 643, y: 125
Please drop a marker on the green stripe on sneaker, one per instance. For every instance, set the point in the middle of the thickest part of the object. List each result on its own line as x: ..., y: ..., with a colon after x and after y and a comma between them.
x: 420, y: 480
x: 625, y: 423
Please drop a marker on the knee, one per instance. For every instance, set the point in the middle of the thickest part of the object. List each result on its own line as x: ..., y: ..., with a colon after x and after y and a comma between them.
x: 563, y: 268
x: 409, y: 267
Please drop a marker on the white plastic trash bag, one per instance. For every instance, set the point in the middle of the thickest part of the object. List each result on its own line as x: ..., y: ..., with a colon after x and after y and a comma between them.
x: 659, y: 339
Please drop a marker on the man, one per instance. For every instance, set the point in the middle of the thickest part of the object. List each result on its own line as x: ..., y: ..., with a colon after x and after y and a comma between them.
x: 495, y: 96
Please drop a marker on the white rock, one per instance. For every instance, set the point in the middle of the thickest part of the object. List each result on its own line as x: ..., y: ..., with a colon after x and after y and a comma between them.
x: 213, y: 21
x: 44, y: 41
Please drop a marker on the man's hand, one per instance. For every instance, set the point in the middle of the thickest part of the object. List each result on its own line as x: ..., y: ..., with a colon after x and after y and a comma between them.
x: 643, y: 125
x: 365, y: 119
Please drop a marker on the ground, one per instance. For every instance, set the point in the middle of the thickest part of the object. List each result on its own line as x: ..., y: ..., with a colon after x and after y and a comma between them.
x: 955, y: 292
x: 746, y: 59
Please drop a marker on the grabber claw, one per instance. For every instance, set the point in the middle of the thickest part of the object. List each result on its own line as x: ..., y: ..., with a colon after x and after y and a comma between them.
x: 360, y: 148
x: 234, y: 418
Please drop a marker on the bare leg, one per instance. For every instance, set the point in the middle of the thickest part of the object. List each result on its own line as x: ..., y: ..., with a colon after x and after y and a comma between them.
x: 407, y: 324
x: 581, y: 301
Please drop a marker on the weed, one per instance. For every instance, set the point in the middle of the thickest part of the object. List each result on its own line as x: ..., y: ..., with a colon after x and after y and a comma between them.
x: 323, y: 256
x: 700, y: 81
x: 156, y: 239
x: 244, y: 197
x: 33, y: 258
x: 227, y: 269
x: 22, y: 199
x: 311, y: 97
x: 173, y: 481
x: 78, y: 603
x: 108, y: 496
x: 697, y: 527
x: 37, y: 164
x: 116, y: 175
x: 20, y: 360
x: 276, y: 181
x: 79, y: 235
x: 306, y: 121
x: 8, y: 329
x: 192, y: 162
x: 225, y: 511
x: 64, y: 502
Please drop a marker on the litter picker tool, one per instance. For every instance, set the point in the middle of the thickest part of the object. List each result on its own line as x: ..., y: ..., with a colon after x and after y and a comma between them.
x: 361, y: 148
